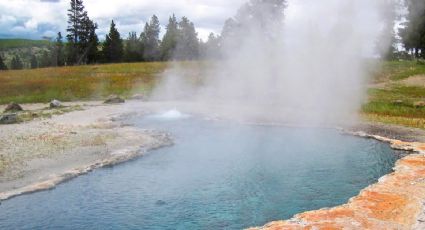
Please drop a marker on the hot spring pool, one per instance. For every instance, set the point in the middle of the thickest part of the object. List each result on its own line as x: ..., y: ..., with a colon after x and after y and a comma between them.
x: 218, y: 175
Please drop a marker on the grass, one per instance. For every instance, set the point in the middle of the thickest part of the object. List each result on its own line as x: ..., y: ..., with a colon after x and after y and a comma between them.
x: 399, y: 70
x: 395, y: 103
x: 78, y: 83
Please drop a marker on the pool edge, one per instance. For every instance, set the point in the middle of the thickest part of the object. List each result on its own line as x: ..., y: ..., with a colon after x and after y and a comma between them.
x: 396, y: 201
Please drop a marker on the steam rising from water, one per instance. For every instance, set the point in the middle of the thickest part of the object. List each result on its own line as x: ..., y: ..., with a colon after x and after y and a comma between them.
x: 311, y: 66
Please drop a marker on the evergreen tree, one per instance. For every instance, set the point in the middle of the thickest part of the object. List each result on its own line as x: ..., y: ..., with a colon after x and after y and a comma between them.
x: 2, y: 65
x: 90, y: 42
x: 150, y: 39
x: 16, y: 63
x: 413, y: 34
x: 45, y: 59
x: 133, y: 51
x: 210, y: 49
x: 34, y: 62
x: 113, y: 49
x: 169, y: 41
x: 187, y: 42
x: 82, y: 39
x: 76, y: 15
x: 58, y: 54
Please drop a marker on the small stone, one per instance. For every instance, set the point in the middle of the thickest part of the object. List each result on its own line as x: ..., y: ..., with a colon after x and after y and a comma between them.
x: 10, y: 118
x: 13, y: 107
x: 114, y: 99
x: 419, y: 104
x: 398, y: 102
x: 138, y: 97
x: 55, y: 104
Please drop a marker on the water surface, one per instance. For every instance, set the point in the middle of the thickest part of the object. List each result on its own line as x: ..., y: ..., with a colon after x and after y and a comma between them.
x: 218, y: 175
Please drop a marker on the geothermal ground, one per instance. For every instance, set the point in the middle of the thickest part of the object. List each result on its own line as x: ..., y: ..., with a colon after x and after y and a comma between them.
x: 44, y: 152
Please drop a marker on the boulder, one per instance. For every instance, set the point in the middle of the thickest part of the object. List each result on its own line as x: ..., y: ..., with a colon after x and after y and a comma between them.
x: 55, y: 104
x: 13, y: 107
x: 138, y: 97
x: 10, y: 118
x: 419, y: 104
x: 114, y: 99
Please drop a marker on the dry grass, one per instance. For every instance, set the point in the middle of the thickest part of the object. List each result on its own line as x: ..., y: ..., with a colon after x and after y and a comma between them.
x: 78, y: 83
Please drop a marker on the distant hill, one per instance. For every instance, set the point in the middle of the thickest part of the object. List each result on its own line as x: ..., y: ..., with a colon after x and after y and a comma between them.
x: 24, y: 48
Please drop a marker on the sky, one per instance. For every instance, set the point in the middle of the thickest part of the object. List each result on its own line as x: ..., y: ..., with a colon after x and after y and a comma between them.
x: 37, y: 18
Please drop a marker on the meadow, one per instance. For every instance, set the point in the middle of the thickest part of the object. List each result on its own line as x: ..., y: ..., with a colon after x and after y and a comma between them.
x: 390, y: 100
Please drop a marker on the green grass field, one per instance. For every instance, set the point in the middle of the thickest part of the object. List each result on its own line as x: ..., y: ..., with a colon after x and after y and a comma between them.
x: 394, y: 103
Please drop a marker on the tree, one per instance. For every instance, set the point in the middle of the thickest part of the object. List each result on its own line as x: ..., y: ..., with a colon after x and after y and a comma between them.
x: 413, y: 33
x: 16, y: 63
x: 58, y: 54
x: 187, y: 41
x: 45, y: 59
x: 34, y: 62
x: 2, y: 65
x: 90, y: 41
x: 75, y: 17
x: 113, y: 46
x: 133, y: 51
x: 169, y: 41
x: 150, y: 39
x: 210, y: 49
x: 82, y: 39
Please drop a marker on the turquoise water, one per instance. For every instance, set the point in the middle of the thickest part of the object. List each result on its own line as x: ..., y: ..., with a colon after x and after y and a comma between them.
x: 218, y: 175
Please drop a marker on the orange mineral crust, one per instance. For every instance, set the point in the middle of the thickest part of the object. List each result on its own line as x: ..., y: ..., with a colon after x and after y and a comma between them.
x: 395, y: 202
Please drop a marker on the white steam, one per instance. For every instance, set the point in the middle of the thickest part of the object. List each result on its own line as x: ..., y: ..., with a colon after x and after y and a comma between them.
x: 312, y: 67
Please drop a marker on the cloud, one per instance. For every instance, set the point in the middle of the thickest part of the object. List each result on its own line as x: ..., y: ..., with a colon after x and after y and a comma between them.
x: 37, y: 18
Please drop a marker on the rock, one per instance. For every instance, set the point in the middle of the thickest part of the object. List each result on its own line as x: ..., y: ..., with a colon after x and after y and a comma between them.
x: 114, y: 99
x: 13, y: 107
x: 138, y: 97
x: 10, y: 118
x: 55, y: 104
x: 419, y: 104
x: 398, y: 102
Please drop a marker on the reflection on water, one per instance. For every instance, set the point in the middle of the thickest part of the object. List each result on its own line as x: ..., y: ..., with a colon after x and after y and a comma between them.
x: 219, y: 175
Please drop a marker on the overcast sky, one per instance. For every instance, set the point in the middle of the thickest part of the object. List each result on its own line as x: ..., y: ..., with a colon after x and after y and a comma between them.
x: 37, y: 18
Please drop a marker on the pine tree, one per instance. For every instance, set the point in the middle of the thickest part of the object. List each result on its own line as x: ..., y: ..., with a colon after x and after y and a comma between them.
x: 34, y: 62
x: 413, y: 34
x: 16, y: 63
x: 133, y: 51
x: 2, y: 65
x: 169, y: 41
x: 187, y: 42
x: 150, y: 39
x: 82, y: 46
x: 58, y: 54
x: 113, y: 49
x: 75, y: 18
x: 90, y: 42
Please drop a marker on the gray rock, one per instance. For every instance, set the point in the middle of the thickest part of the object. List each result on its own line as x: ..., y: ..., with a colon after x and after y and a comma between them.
x: 13, y: 107
x: 55, y: 104
x: 114, y: 99
x: 138, y: 97
x: 10, y: 118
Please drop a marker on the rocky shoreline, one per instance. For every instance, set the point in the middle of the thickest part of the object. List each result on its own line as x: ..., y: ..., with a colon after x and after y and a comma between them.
x: 40, y: 154
x: 395, y: 202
